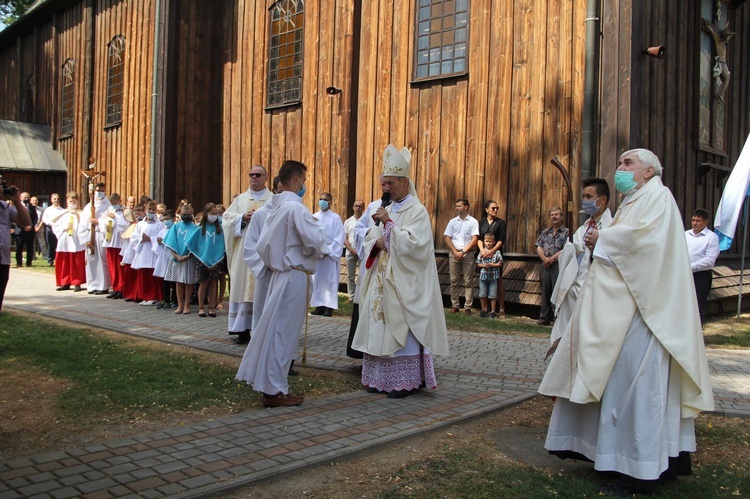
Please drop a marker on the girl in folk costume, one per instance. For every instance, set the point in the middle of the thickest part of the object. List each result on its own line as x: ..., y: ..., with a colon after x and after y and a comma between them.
x: 224, y: 267
x: 114, y: 224
x: 207, y: 244
x: 129, y: 275
x: 143, y: 240
x: 181, y: 268
x: 70, y: 265
x: 163, y: 255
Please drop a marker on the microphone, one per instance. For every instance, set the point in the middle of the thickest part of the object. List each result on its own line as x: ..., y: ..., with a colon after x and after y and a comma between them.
x: 385, y: 200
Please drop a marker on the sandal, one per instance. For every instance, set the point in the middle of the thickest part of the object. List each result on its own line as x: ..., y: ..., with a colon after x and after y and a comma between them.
x: 201, y: 313
x: 186, y: 311
x: 211, y: 312
x: 178, y: 311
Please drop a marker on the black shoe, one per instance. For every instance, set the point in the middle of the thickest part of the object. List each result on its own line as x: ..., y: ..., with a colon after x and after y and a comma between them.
x: 117, y: 295
x: 101, y: 292
x: 292, y: 372
x: 542, y: 322
x: 77, y: 289
x: 372, y: 389
x: 65, y: 287
x: 318, y: 311
x: 91, y: 292
x: 112, y: 294
x: 243, y: 338
x: 129, y: 300
x: 328, y: 312
x: 399, y: 394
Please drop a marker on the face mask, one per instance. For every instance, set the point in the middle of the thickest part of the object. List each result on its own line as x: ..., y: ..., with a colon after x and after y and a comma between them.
x: 221, y: 219
x: 589, y: 207
x: 139, y: 217
x: 116, y: 207
x: 150, y: 216
x: 301, y: 192
x: 624, y: 182
x: 211, y: 218
x: 73, y: 206
x: 168, y: 223
x: 187, y: 218
x: 160, y: 217
x: 25, y: 201
x: 100, y: 194
x: 323, y: 204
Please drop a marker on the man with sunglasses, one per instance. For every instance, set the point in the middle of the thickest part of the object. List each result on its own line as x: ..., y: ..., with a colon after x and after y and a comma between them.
x: 241, y: 282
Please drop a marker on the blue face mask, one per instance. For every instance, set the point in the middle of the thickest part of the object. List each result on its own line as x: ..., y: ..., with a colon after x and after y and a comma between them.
x: 624, y: 182
x: 301, y: 192
x: 116, y: 207
x: 323, y: 204
x: 150, y: 216
x: 168, y: 223
x: 589, y: 207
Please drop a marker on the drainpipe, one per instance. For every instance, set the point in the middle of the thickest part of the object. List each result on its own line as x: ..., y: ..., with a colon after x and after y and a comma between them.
x: 155, y: 87
x: 591, y: 82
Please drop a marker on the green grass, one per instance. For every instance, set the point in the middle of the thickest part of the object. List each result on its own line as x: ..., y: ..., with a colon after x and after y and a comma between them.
x: 727, y: 331
x: 108, y: 375
x: 39, y: 264
x: 480, y: 473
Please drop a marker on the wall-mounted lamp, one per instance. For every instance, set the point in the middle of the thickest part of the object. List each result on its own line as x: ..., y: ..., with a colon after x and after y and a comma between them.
x: 333, y: 91
x: 657, y: 51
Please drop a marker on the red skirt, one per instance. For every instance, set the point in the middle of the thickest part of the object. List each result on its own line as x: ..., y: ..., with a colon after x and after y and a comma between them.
x: 114, y: 259
x: 129, y: 282
x: 149, y: 287
x: 70, y: 268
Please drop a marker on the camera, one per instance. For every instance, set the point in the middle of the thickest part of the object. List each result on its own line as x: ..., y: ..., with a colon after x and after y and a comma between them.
x: 8, y: 190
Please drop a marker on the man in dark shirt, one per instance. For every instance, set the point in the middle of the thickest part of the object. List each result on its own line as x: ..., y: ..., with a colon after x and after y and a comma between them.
x: 25, y: 234
x: 549, y: 245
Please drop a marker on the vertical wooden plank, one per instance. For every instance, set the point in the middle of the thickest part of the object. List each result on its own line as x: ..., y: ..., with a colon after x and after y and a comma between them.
x: 428, y: 153
x: 476, y: 137
x: 553, y: 190
x: 383, y: 94
x: 609, y: 89
x: 399, y: 71
x: 322, y: 165
x: 539, y: 192
x: 368, y: 159
x: 577, y: 88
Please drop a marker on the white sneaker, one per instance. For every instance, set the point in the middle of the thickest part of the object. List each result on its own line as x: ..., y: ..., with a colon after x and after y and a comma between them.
x: 148, y: 302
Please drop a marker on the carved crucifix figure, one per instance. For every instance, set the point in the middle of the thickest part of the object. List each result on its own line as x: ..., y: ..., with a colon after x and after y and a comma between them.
x: 721, y: 70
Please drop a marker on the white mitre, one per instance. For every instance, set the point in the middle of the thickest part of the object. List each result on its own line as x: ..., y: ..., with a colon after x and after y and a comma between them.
x: 397, y: 164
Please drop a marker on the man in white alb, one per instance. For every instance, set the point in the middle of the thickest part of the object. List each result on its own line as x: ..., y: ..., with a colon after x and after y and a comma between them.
x: 703, y: 248
x: 241, y: 282
x: 401, y: 324
x: 52, y: 211
x: 325, y: 297
x: 290, y: 244
x: 635, y: 370
x: 97, y: 267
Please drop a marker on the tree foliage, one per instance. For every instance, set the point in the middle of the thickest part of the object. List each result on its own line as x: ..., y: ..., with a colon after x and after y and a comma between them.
x: 11, y: 10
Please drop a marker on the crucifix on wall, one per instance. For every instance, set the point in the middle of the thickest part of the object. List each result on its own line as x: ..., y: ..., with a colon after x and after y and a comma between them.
x: 720, y: 70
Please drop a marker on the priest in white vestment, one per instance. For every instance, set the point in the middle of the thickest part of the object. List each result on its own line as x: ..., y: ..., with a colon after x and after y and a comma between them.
x: 575, y: 259
x: 241, y: 281
x: 401, y: 324
x: 325, y: 291
x: 97, y: 267
x: 634, y: 370
x: 290, y: 244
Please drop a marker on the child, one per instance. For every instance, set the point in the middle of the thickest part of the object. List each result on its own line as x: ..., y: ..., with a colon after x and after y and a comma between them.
x: 207, y: 244
x: 129, y: 274
x: 181, y: 267
x: 70, y: 265
x: 163, y: 255
x: 114, y: 224
x: 144, y: 261
x: 488, y: 276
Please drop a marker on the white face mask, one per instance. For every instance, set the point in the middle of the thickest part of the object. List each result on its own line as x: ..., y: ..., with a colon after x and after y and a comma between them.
x: 212, y: 218
x: 100, y: 195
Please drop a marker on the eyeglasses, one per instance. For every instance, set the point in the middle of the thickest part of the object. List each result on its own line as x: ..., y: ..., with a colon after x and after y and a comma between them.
x: 255, y: 175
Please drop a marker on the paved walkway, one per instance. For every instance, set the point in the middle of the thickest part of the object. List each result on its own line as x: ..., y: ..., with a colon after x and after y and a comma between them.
x: 484, y: 373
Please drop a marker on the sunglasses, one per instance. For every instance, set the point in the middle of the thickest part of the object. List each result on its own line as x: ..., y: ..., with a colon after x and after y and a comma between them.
x: 493, y: 208
x: 255, y: 175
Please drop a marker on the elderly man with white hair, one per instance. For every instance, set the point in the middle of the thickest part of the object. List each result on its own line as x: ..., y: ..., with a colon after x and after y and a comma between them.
x: 633, y: 375
x: 401, y: 323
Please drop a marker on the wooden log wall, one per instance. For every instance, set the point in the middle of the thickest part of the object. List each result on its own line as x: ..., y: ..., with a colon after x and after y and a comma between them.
x: 653, y: 103
x: 488, y: 135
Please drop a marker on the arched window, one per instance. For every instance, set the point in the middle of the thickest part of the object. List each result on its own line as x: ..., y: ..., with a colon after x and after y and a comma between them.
x: 287, y: 22
x: 115, y: 80
x: 67, y: 99
x: 442, y: 39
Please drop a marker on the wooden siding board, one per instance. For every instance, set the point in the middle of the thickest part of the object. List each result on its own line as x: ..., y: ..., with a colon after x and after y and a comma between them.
x: 368, y: 160
x: 383, y: 96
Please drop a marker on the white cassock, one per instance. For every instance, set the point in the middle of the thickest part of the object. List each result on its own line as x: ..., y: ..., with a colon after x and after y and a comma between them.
x: 290, y: 245
x: 68, y: 236
x: 325, y: 291
x: 97, y: 268
x: 241, y: 282
x: 253, y: 260
x: 162, y: 254
x: 630, y: 373
x: 144, y: 256
x: 575, y: 261
x: 401, y: 322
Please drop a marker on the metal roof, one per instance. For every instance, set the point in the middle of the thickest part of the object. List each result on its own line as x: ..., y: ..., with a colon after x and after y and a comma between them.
x: 27, y: 147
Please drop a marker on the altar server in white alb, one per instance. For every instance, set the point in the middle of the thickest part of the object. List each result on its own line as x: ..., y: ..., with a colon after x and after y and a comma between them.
x: 575, y: 259
x: 241, y: 282
x: 401, y: 322
x: 97, y: 268
x: 325, y: 293
x: 143, y: 241
x: 290, y: 245
x: 635, y: 372
x: 114, y: 224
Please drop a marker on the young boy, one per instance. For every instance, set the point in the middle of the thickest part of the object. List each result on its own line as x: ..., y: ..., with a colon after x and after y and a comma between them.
x: 488, y: 275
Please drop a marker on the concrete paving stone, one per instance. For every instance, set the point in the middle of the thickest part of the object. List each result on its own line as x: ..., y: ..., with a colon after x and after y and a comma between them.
x: 17, y: 464
x: 64, y: 493
x: 140, y: 486
x: 41, y: 477
x: 120, y: 491
x: 93, y: 475
x: 95, y: 485
x: 261, y: 465
x: 72, y: 470
x: 16, y: 483
x: 198, y: 481
x: 151, y: 494
x: 143, y: 473
x: 38, y: 488
x: 171, y: 489
x: 72, y: 479
x: 49, y: 457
